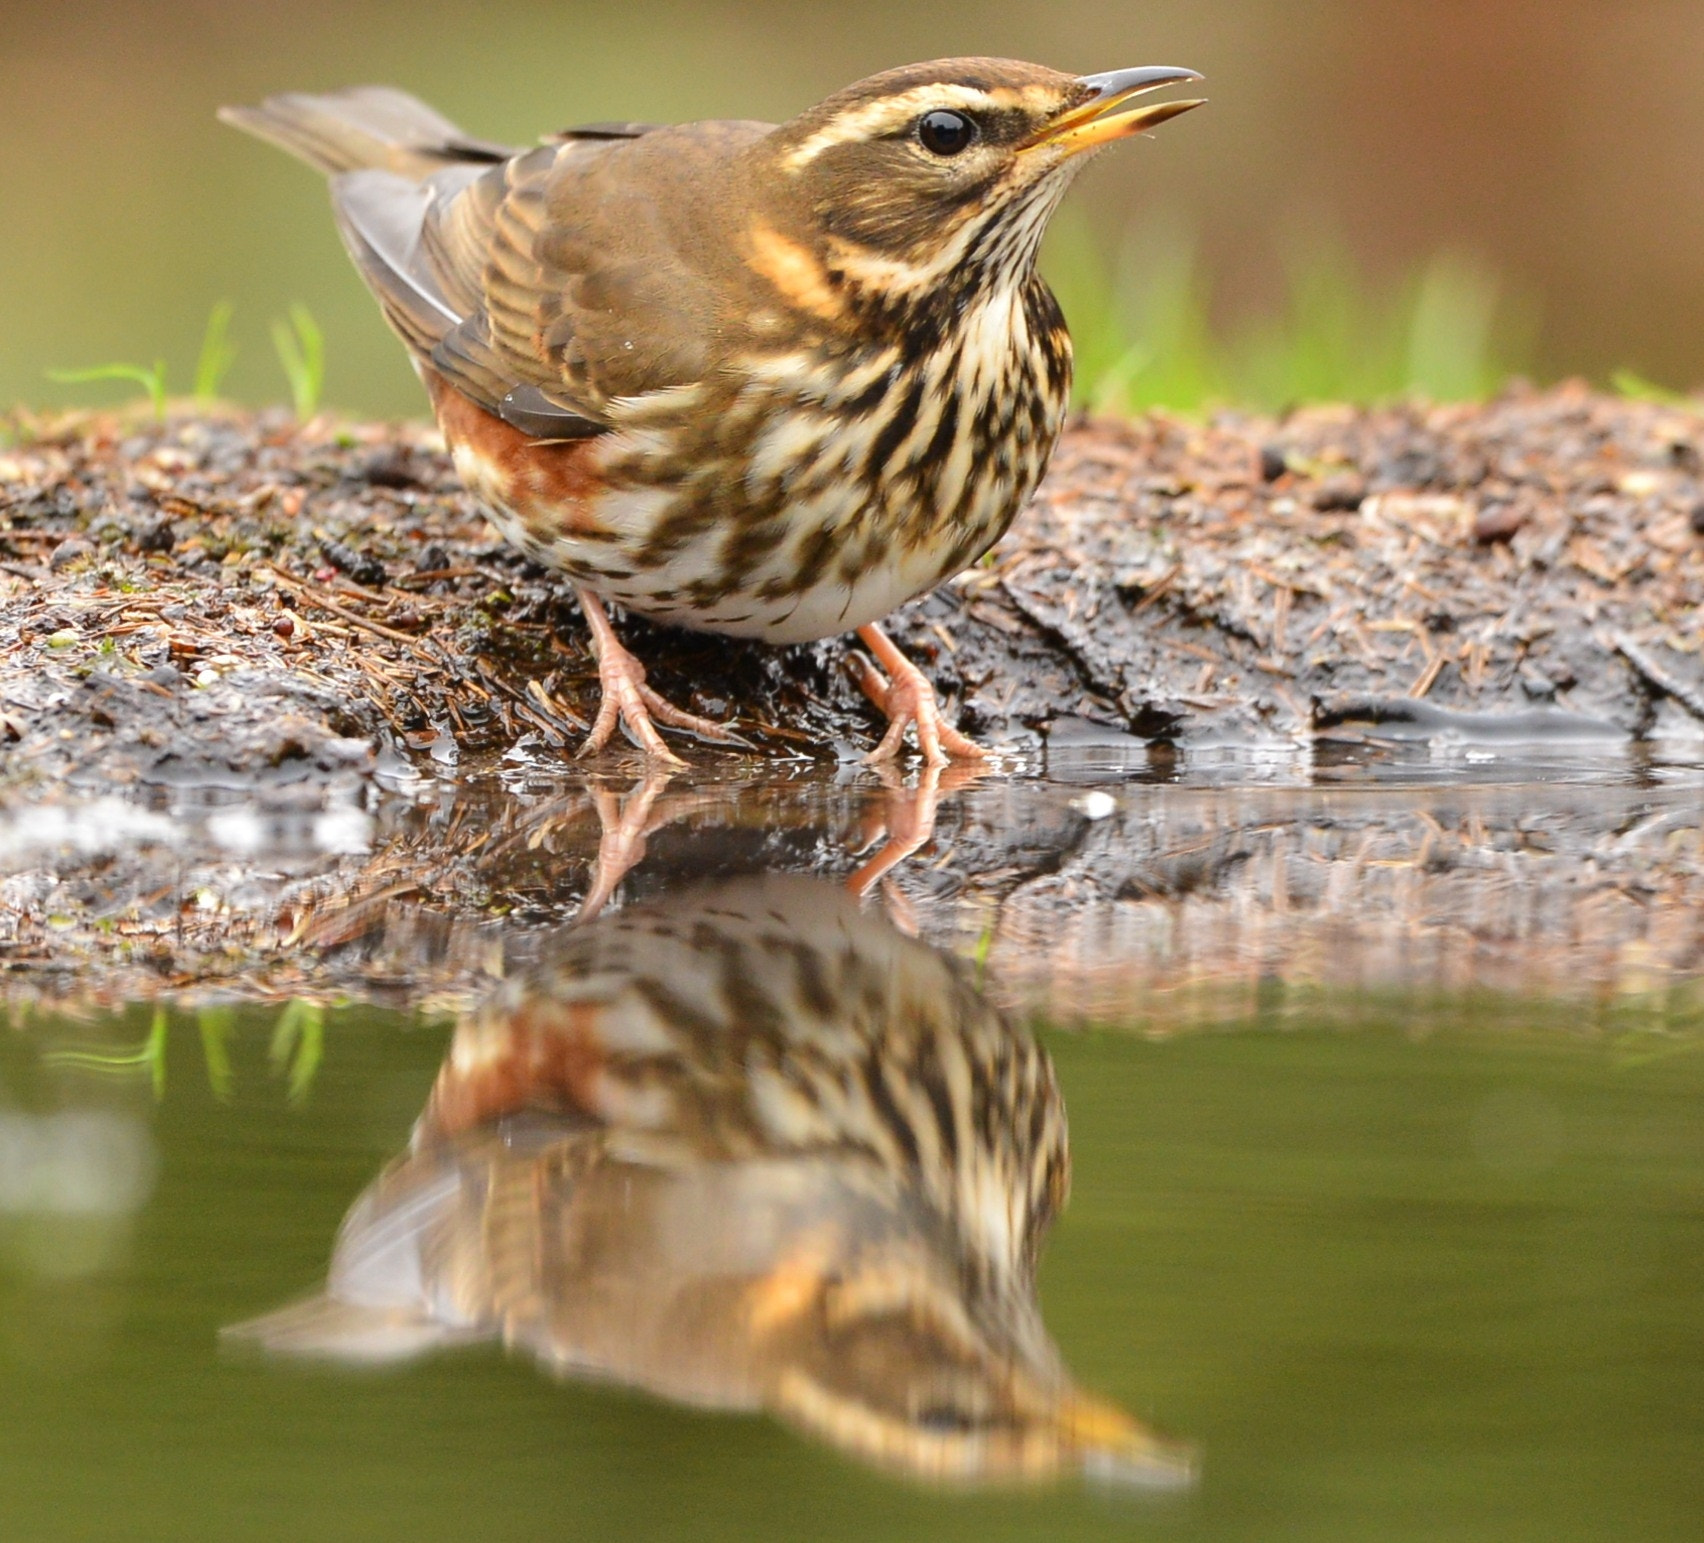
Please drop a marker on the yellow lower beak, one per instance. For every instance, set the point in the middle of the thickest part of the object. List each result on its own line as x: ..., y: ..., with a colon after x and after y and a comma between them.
x: 1096, y: 122
x: 1112, y: 1446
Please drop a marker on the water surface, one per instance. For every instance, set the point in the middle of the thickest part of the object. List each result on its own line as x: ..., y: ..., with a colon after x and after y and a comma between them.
x: 1385, y: 1100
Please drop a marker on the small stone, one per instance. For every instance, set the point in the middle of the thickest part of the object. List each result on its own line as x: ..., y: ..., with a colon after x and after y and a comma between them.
x: 393, y: 467
x: 1497, y: 522
x: 363, y: 568
x: 1272, y: 463
x: 1343, y: 492
x: 1697, y: 517
x: 285, y: 627
x: 1538, y: 686
x: 72, y: 549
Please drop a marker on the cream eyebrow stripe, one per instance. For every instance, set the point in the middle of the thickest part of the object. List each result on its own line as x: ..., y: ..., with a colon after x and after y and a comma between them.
x: 890, y: 112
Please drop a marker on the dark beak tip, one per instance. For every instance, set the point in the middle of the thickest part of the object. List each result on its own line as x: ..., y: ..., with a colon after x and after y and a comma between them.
x: 1145, y: 77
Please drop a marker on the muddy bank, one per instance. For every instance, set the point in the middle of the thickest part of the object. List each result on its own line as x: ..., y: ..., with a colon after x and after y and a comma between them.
x: 233, y: 599
x: 280, y: 718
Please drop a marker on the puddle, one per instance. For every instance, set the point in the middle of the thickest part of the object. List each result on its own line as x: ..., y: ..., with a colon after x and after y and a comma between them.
x: 1227, y: 1146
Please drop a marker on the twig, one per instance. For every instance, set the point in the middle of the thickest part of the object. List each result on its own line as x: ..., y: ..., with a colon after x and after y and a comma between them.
x: 1659, y: 676
x: 326, y: 603
x: 1157, y: 588
x: 1429, y: 676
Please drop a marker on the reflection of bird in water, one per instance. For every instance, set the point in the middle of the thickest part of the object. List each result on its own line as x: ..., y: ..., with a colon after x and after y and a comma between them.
x: 746, y: 1148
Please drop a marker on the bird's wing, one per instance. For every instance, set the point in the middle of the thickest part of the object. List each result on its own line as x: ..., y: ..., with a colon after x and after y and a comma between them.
x: 548, y: 286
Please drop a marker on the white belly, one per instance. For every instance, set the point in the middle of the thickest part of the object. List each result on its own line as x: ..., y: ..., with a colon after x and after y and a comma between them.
x: 781, y: 514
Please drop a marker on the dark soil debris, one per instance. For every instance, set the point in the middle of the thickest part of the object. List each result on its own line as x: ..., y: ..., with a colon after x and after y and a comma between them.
x: 170, y: 593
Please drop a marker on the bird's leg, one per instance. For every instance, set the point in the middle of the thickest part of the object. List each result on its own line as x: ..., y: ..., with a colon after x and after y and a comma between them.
x: 905, y: 695
x: 624, y: 824
x: 628, y: 700
x: 907, y: 820
x: 621, y: 844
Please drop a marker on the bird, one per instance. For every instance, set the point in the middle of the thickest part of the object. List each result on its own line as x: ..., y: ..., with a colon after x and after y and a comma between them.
x: 769, y: 381
x: 744, y: 1146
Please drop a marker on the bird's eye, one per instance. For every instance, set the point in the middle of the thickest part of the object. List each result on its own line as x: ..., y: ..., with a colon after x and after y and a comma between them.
x: 944, y: 1420
x: 945, y: 133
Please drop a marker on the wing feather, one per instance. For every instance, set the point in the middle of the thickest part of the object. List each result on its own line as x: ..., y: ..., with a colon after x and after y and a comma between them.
x: 548, y: 285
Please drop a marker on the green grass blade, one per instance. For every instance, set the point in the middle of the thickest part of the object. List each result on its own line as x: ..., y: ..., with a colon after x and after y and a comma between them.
x: 149, y: 1057
x: 217, y: 1025
x: 298, y: 1043
x: 300, y: 346
x: 285, y: 1033
x: 1146, y: 334
x: 1451, y: 342
x: 152, y: 381
x: 1635, y: 387
x: 218, y: 354
x: 310, y: 1053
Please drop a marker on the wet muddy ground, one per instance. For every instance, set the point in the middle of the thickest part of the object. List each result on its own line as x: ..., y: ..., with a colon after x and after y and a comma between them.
x: 281, y: 717
x: 219, y: 598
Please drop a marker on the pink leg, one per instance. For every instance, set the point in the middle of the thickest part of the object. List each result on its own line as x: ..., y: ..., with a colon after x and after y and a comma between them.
x: 905, y: 695
x: 622, y: 843
x: 907, y: 822
x: 627, y: 699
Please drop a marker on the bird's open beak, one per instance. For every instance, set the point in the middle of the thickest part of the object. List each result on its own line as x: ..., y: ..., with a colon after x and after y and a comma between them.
x: 1097, y: 121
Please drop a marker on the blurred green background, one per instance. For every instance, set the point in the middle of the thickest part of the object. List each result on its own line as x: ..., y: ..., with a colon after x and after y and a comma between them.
x: 1384, y: 193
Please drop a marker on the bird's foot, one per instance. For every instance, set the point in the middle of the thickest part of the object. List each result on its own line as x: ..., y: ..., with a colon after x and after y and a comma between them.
x: 904, y: 823
x: 903, y: 692
x: 630, y: 703
x: 625, y: 823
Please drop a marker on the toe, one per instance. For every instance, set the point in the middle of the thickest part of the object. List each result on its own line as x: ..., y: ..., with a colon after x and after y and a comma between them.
x: 929, y: 738
x: 677, y: 717
x: 609, y: 715
x: 957, y: 744
x: 640, y: 726
x: 892, y: 741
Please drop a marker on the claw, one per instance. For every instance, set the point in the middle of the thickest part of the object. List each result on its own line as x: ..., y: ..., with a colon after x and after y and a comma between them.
x: 905, y: 695
x: 628, y: 702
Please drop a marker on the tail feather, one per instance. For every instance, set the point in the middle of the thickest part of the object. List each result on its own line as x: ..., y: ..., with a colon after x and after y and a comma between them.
x: 391, y: 1292
x: 363, y: 127
x: 323, y: 1328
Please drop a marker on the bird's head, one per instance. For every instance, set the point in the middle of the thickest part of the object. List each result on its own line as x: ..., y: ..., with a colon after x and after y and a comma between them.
x: 905, y: 179
x: 904, y: 1363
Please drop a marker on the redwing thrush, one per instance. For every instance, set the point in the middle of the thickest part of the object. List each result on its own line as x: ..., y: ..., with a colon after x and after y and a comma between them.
x: 747, y: 1148
x: 767, y: 381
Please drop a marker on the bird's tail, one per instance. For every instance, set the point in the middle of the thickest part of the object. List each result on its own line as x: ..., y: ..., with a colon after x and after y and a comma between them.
x: 363, y: 127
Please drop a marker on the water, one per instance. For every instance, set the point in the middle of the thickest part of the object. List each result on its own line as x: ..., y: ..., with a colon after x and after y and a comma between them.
x: 1386, y: 1220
